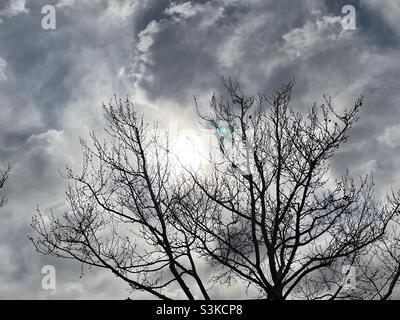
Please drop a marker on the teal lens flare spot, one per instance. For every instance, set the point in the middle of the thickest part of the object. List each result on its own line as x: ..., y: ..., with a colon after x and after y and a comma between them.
x: 223, y: 130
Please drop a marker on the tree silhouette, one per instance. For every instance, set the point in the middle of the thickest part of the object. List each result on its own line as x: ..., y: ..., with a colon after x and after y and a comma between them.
x: 287, y: 227
x: 266, y: 212
x: 123, y: 210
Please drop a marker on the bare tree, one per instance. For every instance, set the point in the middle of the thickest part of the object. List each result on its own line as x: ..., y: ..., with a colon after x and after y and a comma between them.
x: 287, y: 227
x: 266, y: 212
x: 122, y: 214
x: 3, y: 178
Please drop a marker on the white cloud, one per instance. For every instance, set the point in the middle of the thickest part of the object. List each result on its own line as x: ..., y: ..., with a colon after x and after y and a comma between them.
x: 13, y: 8
x: 114, y: 12
x: 50, y: 140
x: 144, y: 56
x: 313, y: 35
x: 118, y: 12
x: 184, y: 10
x: 146, y: 36
x: 391, y: 136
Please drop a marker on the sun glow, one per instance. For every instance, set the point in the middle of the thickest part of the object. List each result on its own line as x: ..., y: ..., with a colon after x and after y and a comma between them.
x: 187, y: 152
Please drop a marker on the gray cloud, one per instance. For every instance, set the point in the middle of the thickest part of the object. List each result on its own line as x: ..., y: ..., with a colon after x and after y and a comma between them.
x: 52, y: 84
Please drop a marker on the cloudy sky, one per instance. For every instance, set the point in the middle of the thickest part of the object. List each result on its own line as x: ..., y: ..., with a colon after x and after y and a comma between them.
x: 160, y: 53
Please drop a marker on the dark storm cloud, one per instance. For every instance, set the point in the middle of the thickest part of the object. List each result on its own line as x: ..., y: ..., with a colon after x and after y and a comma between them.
x: 194, y: 44
x: 53, y: 82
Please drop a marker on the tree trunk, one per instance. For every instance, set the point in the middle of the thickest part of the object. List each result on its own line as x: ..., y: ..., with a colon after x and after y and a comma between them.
x: 275, y: 294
